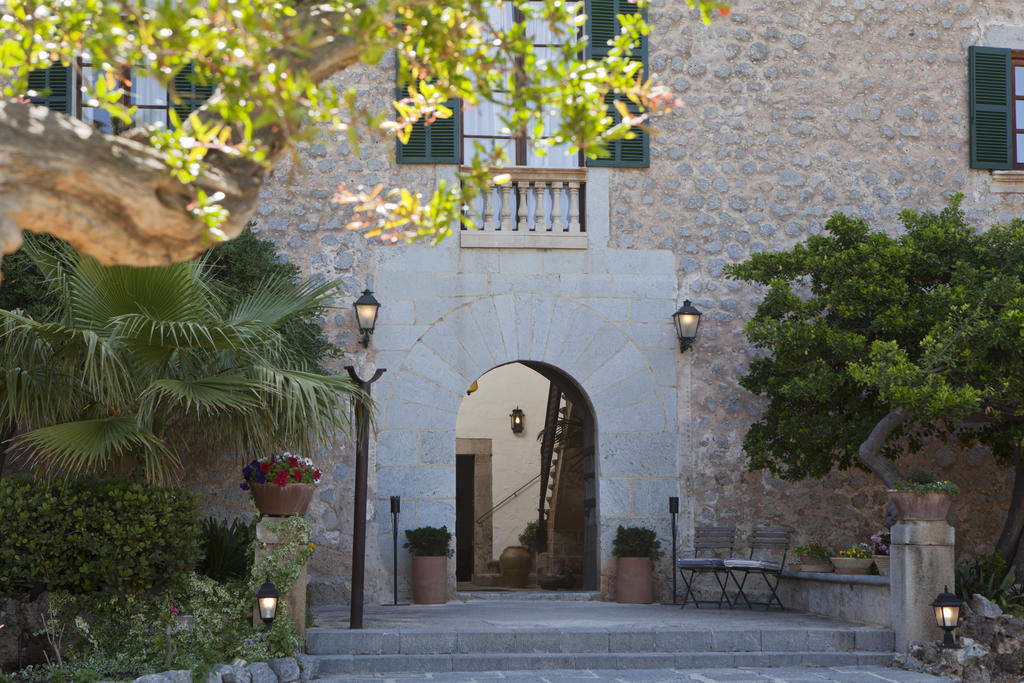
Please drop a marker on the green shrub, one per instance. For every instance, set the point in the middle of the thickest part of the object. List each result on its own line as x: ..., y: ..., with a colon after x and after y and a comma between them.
x: 990, y: 576
x: 814, y: 550
x: 89, y: 535
x: 227, y: 551
x: 636, y: 541
x: 428, y: 541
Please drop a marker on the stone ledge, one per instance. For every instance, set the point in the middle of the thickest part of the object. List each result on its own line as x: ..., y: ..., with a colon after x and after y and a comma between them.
x: 832, y: 577
x: 1006, y: 181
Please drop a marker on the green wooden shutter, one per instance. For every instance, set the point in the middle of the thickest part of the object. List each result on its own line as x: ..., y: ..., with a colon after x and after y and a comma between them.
x: 991, y: 107
x: 189, y: 95
x: 438, y: 143
x: 602, y: 26
x: 53, y: 87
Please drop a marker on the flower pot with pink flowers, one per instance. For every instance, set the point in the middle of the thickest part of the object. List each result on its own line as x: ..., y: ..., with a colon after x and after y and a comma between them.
x: 281, y: 485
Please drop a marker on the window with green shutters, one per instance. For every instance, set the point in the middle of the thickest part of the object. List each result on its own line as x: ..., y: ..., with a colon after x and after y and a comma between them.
x: 437, y: 143
x: 996, y: 102
x: 602, y: 26
x: 52, y: 87
x: 55, y: 87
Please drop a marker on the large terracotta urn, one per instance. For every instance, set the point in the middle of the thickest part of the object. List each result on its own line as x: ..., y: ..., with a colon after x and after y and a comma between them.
x: 282, y: 501
x: 515, y: 566
x: 633, y: 581
x: 429, y: 579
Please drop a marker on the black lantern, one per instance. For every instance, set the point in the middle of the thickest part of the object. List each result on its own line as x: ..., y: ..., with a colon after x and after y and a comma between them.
x: 947, y: 613
x: 266, y: 601
x: 366, y: 314
x: 687, y: 320
x: 517, y: 420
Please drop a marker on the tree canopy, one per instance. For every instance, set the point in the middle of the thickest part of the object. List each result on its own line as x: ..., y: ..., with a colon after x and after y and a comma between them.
x: 875, y: 342
x: 158, y: 194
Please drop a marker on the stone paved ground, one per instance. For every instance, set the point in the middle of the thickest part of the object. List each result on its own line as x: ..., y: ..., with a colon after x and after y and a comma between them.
x: 865, y: 674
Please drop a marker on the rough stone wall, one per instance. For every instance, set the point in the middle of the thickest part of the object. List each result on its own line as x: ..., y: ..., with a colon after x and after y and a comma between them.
x: 794, y: 109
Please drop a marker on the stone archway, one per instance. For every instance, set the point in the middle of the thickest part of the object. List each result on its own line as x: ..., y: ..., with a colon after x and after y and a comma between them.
x: 637, y: 454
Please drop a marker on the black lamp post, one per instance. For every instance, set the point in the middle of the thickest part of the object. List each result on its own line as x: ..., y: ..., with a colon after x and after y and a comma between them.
x: 947, y: 613
x: 396, y: 510
x: 673, y: 509
x: 517, y: 420
x: 687, y: 320
x: 366, y: 315
x: 266, y: 601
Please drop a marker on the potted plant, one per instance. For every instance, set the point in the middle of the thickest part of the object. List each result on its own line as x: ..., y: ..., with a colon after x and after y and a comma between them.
x: 854, y: 560
x: 922, y: 496
x: 636, y: 549
x: 880, y: 543
x: 281, y: 486
x: 430, y: 547
x: 814, y: 557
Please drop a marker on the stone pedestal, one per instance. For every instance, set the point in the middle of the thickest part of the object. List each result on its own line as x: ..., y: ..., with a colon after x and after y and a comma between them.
x: 922, y: 565
x: 266, y: 543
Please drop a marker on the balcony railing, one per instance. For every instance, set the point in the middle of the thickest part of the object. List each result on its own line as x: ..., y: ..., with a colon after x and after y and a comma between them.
x: 538, y: 208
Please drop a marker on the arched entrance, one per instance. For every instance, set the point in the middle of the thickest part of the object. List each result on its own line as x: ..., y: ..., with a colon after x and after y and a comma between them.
x: 624, y: 372
x: 525, y: 438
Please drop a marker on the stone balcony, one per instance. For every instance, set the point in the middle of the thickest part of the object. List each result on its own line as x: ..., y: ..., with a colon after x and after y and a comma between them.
x: 537, y: 208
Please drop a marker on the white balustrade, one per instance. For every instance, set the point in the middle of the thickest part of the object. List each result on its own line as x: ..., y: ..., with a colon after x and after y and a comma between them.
x: 539, y: 208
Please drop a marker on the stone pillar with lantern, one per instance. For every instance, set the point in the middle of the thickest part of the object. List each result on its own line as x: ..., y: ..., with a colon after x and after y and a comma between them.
x: 922, y: 568
x: 275, y: 544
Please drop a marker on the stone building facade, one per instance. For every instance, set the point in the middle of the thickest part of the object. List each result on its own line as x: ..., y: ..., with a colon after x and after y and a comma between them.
x: 794, y: 110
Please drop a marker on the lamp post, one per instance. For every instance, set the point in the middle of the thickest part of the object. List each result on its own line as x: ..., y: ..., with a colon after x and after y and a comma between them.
x: 687, y: 320
x: 366, y: 315
x: 266, y: 601
x: 355, y: 619
x: 673, y: 509
x: 396, y: 509
x: 947, y: 613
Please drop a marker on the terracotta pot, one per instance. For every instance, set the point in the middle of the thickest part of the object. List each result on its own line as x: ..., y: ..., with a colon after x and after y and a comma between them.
x: 429, y: 579
x: 282, y: 501
x: 852, y: 565
x: 923, y: 507
x: 515, y: 566
x: 813, y: 564
x: 633, y: 581
x: 882, y: 562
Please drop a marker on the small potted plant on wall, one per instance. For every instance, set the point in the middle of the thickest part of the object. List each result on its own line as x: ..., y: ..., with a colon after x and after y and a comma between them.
x: 854, y: 560
x: 922, y: 496
x: 636, y: 549
x: 430, y: 548
x: 880, y: 543
x: 814, y: 557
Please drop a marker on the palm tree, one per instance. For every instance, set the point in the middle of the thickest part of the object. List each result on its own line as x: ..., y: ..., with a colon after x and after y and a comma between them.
x: 133, y: 366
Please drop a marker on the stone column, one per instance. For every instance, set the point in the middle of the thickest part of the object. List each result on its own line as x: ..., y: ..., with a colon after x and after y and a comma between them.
x: 922, y: 566
x: 266, y: 543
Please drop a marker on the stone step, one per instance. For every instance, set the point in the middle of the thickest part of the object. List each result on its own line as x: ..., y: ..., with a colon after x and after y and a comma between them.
x: 580, y: 642
x: 522, y: 661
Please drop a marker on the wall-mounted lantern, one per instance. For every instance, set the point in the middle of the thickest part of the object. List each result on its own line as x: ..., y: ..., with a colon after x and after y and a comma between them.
x: 266, y: 601
x: 517, y: 420
x: 687, y: 320
x: 947, y: 613
x: 366, y: 315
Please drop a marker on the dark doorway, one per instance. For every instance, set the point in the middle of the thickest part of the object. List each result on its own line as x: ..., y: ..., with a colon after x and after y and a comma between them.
x: 464, y: 497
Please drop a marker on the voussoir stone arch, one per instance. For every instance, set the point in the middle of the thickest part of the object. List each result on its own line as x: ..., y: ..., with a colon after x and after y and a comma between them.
x: 634, y: 413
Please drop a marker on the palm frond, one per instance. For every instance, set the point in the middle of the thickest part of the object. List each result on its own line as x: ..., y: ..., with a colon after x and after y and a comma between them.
x: 279, y: 298
x: 202, y: 397
x: 202, y: 333
x: 92, y: 446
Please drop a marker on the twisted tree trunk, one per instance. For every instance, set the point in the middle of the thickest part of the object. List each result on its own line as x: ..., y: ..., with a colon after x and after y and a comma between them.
x: 1009, y: 544
x: 113, y: 197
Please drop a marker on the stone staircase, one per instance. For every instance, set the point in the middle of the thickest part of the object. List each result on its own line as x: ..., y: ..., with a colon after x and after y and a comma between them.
x: 710, y: 643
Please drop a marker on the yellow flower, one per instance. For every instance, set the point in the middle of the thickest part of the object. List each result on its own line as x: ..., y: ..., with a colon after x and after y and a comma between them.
x: 312, y: 546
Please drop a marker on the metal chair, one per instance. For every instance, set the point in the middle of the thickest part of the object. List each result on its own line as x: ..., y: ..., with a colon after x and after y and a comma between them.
x: 764, y: 541
x: 709, y: 543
